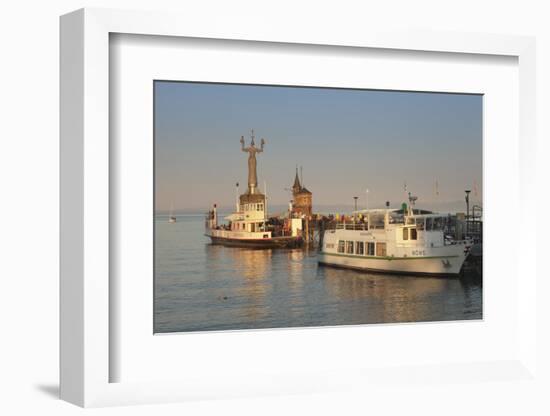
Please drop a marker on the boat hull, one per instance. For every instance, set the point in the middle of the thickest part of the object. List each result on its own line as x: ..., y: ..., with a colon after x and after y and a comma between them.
x: 419, y: 266
x: 274, y: 242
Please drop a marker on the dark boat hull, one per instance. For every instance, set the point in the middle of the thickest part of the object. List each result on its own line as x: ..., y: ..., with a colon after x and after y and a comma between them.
x: 275, y: 242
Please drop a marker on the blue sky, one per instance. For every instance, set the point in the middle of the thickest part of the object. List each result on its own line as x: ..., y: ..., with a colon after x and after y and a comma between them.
x: 346, y: 140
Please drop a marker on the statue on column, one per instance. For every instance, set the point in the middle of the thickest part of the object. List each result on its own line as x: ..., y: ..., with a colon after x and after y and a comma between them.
x: 252, y: 150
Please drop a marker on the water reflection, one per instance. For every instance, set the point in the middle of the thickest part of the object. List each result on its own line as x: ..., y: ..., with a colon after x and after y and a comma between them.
x: 397, y: 298
x: 248, y: 269
x: 296, y: 270
x: 199, y: 286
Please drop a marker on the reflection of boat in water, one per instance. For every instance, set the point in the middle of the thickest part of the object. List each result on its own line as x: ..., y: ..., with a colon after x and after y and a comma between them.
x: 395, y: 241
x: 249, y: 225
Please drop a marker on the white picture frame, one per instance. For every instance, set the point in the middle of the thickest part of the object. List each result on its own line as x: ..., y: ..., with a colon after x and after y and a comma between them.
x: 85, y: 211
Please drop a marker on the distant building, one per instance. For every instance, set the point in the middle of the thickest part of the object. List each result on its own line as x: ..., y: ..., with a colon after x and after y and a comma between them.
x: 302, y: 198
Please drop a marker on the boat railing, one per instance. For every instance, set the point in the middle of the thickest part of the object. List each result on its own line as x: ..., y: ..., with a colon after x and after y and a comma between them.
x: 352, y: 226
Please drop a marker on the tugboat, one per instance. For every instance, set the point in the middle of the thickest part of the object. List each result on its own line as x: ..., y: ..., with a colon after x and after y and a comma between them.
x: 406, y: 241
x: 249, y: 226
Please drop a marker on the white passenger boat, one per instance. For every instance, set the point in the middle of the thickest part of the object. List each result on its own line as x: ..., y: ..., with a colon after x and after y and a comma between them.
x: 392, y: 241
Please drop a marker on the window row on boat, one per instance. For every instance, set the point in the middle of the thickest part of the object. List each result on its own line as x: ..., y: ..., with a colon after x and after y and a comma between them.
x: 378, y: 223
x: 360, y: 248
x: 252, y: 207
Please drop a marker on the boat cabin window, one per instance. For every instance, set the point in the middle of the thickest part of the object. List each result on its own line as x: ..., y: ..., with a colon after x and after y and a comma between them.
x: 405, y: 233
x: 341, y: 245
x: 435, y: 223
x: 349, y: 247
x: 370, y: 249
x: 359, y: 247
x: 429, y: 224
x: 381, y: 249
x: 414, y: 234
x: 395, y: 218
x: 420, y: 224
x: 410, y: 221
x: 376, y: 221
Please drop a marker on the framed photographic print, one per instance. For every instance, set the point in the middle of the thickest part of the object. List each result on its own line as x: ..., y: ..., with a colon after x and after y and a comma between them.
x: 334, y: 252
x: 265, y: 213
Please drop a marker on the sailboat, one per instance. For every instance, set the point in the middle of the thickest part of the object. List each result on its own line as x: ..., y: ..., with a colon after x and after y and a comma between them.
x: 171, y: 217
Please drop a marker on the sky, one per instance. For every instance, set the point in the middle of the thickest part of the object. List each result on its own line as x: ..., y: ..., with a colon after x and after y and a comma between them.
x: 346, y: 141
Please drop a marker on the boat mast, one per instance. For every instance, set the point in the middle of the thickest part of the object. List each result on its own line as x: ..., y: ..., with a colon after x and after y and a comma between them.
x: 237, y: 208
x: 265, y: 203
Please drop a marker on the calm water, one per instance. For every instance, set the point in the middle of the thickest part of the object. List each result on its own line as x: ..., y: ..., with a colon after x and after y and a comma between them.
x: 202, y: 287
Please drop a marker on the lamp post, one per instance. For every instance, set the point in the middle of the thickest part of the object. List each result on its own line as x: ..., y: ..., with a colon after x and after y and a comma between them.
x: 478, y: 229
x: 467, y: 198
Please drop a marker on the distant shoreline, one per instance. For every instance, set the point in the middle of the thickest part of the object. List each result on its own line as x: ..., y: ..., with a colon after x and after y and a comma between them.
x: 451, y: 208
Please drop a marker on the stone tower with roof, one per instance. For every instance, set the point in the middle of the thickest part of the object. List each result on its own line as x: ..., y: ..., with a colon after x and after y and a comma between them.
x: 302, y: 198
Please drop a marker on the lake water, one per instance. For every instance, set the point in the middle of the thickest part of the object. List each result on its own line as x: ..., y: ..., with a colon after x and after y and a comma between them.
x: 203, y: 287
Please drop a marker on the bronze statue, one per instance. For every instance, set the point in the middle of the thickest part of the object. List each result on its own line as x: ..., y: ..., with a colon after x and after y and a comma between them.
x: 252, y: 150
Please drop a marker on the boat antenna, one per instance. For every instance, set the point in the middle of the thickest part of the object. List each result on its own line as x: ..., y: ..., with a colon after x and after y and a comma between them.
x: 405, y: 192
x: 265, y: 203
x: 412, y: 201
x: 237, y: 196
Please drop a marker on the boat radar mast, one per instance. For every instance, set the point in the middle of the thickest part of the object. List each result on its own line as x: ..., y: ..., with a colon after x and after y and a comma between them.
x: 252, y: 150
x: 412, y: 203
